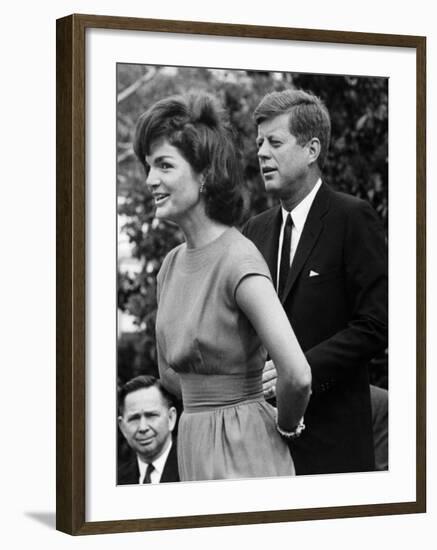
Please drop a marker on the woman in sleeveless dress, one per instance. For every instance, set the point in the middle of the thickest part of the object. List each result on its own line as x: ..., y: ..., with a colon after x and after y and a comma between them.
x: 218, y: 312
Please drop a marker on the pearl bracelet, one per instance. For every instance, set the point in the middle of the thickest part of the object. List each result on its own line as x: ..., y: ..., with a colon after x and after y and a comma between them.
x: 294, y: 433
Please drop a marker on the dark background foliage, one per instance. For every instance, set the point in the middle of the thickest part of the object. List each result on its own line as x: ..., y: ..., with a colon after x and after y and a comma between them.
x: 357, y: 163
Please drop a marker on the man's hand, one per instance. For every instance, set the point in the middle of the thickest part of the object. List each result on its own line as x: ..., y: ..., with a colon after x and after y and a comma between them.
x: 269, y: 380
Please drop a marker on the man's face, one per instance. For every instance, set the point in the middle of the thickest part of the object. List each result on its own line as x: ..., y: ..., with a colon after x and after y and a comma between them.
x: 284, y: 163
x: 147, y: 422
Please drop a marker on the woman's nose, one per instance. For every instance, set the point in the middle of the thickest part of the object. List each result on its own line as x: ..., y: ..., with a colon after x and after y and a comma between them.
x: 151, y: 178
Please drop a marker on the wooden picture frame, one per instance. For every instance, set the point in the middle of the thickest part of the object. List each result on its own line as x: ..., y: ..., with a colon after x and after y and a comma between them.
x: 71, y: 272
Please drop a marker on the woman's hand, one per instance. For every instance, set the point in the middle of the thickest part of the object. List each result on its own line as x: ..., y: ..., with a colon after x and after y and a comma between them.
x: 270, y: 376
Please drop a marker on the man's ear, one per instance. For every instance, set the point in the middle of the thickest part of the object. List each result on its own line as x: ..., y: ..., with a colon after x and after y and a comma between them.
x: 314, y: 149
x: 121, y: 424
x: 172, y: 416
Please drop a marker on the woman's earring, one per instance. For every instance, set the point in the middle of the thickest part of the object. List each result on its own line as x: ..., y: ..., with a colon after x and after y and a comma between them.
x: 202, y: 187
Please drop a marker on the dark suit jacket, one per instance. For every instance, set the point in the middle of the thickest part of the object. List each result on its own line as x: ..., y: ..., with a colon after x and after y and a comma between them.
x: 379, y: 401
x: 128, y: 472
x: 340, y: 320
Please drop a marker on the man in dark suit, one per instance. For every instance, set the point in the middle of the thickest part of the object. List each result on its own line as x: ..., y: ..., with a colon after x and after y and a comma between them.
x: 147, y: 419
x: 327, y: 255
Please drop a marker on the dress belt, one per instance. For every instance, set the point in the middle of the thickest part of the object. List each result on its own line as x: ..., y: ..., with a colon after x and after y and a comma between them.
x: 203, y: 392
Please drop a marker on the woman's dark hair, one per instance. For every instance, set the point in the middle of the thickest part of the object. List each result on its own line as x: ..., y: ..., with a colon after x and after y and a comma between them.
x: 197, y: 126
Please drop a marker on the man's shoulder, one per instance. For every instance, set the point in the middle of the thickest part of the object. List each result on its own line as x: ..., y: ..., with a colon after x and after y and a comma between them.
x: 259, y: 220
x: 128, y: 472
x: 273, y: 211
x: 171, y: 470
x: 347, y: 201
x: 354, y: 214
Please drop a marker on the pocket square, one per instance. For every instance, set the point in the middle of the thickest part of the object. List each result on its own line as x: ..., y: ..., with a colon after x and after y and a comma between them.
x: 313, y: 273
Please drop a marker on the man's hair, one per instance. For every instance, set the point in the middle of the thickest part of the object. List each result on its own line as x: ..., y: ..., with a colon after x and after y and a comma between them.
x: 198, y: 127
x: 309, y: 117
x: 139, y: 383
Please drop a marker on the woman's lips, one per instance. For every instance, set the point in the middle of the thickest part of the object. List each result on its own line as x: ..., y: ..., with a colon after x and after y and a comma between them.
x: 160, y: 197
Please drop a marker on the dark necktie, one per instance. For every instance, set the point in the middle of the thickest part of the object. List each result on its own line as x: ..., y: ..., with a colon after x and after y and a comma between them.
x: 149, y: 470
x: 285, y: 256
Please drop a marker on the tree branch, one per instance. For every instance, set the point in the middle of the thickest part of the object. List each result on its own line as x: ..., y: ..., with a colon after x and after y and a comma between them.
x: 137, y: 84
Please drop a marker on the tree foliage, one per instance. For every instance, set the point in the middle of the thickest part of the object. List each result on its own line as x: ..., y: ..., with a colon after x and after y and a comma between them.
x: 357, y: 163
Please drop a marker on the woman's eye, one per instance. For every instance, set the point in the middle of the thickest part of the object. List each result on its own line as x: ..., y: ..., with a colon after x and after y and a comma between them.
x: 165, y: 165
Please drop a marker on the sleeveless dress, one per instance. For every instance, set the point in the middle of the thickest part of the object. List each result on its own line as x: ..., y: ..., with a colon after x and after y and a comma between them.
x: 208, y: 346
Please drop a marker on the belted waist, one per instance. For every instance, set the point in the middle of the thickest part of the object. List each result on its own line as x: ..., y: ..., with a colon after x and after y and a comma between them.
x: 202, y: 392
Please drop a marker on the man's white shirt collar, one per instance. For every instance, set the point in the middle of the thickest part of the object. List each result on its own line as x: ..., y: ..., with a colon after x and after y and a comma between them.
x: 299, y: 213
x: 158, y: 464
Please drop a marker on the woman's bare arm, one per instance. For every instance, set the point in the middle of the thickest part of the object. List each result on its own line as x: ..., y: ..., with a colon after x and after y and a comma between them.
x: 258, y: 300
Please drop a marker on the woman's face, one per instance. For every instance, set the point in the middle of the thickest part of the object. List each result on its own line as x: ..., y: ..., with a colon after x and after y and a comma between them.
x: 172, y: 182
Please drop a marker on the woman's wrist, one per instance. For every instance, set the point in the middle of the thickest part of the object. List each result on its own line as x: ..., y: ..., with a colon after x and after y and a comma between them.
x: 294, y: 433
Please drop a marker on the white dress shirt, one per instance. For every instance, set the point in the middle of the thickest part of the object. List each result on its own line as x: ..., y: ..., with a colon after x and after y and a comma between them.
x: 299, y: 215
x: 158, y: 464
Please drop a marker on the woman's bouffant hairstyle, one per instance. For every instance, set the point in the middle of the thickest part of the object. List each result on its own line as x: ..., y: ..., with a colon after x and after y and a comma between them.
x: 196, y: 125
x: 309, y: 117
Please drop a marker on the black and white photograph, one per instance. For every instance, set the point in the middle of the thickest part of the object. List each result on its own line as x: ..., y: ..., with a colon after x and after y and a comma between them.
x: 252, y: 274
x: 230, y: 202
x: 219, y: 263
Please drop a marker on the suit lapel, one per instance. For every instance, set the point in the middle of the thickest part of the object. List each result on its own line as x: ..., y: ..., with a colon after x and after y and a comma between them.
x: 310, y: 234
x: 268, y: 243
x: 170, y: 472
x: 129, y: 472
